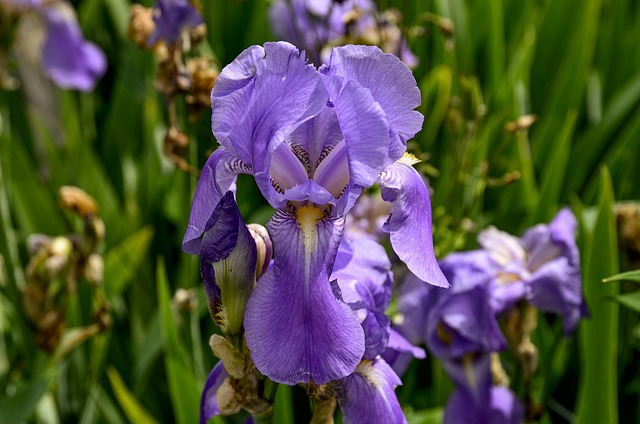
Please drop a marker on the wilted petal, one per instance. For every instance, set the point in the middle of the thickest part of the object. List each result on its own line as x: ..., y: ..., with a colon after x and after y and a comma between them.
x: 368, y: 396
x: 229, y: 249
x: 209, y: 402
x: 391, y: 84
x: 68, y: 59
x: 259, y: 99
x: 410, y: 221
x: 217, y: 177
x: 296, y: 328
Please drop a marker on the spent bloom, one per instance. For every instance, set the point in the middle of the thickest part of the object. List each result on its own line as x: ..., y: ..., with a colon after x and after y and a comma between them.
x: 67, y: 58
x: 314, y: 139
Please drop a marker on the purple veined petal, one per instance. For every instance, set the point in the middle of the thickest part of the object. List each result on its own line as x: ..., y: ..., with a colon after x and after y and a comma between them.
x: 391, y: 84
x: 208, y: 402
x: 410, y: 222
x: 368, y: 396
x: 259, y: 100
x: 228, y: 248
x: 218, y: 176
x: 171, y: 17
x: 70, y: 60
x: 365, y: 129
x: 333, y: 171
x: 295, y: 326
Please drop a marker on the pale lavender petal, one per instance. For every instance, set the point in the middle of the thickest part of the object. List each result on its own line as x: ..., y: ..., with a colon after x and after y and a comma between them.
x: 368, y: 396
x: 317, y: 136
x: 296, y: 328
x: 209, y: 402
x: 410, y: 222
x: 311, y: 191
x: 391, y: 84
x: 365, y: 129
x: 68, y: 59
x: 415, y: 301
x: 259, y: 99
x: 400, y: 352
x: 506, y: 408
x: 217, y: 177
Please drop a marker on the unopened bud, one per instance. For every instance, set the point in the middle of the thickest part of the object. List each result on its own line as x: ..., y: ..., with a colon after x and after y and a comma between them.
x: 234, y: 362
x: 263, y: 246
x: 141, y: 25
x: 176, y: 142
x: 36, y: 242
x: 60, y: 251
x: 184, y: 300
x: 77, y: 200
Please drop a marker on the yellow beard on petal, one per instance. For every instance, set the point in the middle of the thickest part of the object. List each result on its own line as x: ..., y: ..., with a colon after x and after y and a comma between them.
x: 308, y: 217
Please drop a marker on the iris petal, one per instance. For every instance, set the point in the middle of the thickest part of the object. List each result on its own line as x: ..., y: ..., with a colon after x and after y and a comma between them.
x: 208, y: 402
x: 390, y: 83
x: 217, y: 177
x: 296, y: 328
x: 410, y: 221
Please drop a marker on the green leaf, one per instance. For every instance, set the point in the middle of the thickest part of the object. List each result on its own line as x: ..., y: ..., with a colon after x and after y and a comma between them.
x: 122, y: 262
x: 625, y: 276
x: 17, y: 408
x: 183, y: 386
x: 427, y: 416
x: 631, y: 301
x: 597, y: 398
x: 135, y: 412
x: 283, y: 405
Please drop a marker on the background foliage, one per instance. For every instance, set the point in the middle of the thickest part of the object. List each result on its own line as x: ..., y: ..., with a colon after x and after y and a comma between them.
x: 573, y: 64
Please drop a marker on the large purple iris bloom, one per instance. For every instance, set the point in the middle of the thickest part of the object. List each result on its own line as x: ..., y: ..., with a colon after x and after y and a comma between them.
x: 313, y: 140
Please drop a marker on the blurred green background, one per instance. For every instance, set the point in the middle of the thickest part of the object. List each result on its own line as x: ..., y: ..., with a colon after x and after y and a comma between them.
x: 484, y: 64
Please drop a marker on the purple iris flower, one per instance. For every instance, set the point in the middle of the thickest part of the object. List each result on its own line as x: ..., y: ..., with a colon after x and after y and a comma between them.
x: 209, y: 400
x: 314, y: 140
x: 542, y: 267
x: 67, y: 58
x: 171, y: 17
x: 368, y: 396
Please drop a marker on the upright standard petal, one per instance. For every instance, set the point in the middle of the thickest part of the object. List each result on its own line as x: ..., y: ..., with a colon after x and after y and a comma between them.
x: 410, y: 222
x: 367, y: 395
x: 217, y: 177
x: 296, y: 328
x: 208, y: 401
x: 391, y: 84
x: 259, y: 99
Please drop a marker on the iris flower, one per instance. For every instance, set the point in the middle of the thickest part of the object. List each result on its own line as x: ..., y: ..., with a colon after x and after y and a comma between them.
x: 171, y: 17
x: 314, y: 140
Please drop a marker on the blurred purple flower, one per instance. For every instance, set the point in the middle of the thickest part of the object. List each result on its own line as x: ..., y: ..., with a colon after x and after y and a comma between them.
x: 171, y: 17
x: 317, y: 25
x: 67, y: 58
x: 314, y: 140
x: 542, y: 267
x: 208, y: 401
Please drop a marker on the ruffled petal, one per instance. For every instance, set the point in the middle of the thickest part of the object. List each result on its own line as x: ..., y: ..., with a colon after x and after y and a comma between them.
x: 365, y: 129
x: 390, y: 83
x: 217, y: 177
x: 259, y: 99
x: 410, y: 221
x: 209, y: 402
x: 296, y: 328
x: 368, y: 396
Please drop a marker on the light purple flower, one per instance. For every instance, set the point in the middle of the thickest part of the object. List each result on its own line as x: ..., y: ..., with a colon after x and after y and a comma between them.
x: 171, y: 17
x: 368, y: 396
x: 542, y: 267
x: 314, y: 140
x: 67, y: 58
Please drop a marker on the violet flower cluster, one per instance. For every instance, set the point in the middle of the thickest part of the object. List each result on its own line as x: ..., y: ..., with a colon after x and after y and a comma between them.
x: 314, y: 140
x: 460, y: 325
x: 67, y: 58
x: 318, y: 25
